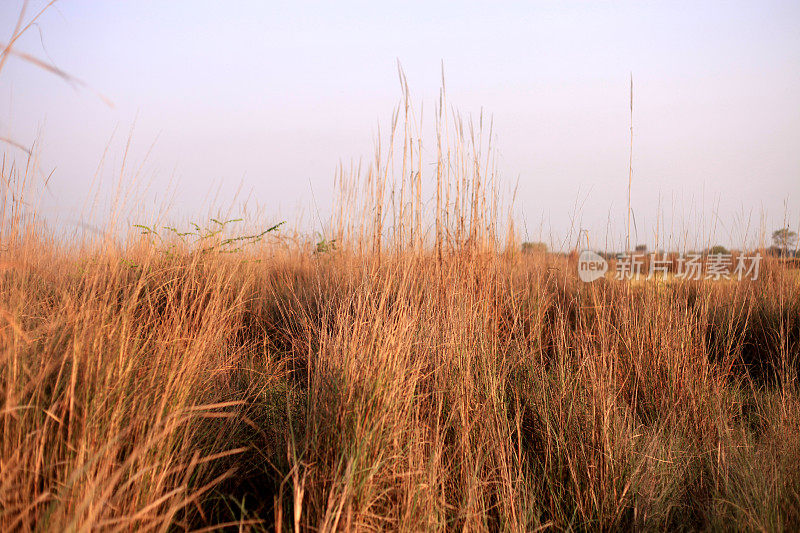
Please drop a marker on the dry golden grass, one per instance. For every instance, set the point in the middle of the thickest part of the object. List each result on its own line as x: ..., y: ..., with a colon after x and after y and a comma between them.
x: 335, y: 392
x: 411, y: 373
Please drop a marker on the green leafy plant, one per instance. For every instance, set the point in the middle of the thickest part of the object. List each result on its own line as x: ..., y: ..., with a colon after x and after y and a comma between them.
x: 204, y: 239
x: 324, y: 246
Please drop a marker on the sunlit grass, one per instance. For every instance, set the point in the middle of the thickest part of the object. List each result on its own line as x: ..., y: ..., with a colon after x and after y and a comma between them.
x: 411, y: 370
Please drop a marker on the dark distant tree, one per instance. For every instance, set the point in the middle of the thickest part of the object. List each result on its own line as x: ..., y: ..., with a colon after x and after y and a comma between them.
x: 641, y: 248
x: 534, y: 247
x: 784, y: 239
x: 717, y: 249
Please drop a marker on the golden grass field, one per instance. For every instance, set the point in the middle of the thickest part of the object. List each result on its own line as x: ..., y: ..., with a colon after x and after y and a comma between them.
x: 177, y: 384
x: 412, y: 372
x: 339, y: 391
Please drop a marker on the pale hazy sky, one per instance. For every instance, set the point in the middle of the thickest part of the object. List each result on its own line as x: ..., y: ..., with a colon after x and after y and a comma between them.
x: 272, y: 95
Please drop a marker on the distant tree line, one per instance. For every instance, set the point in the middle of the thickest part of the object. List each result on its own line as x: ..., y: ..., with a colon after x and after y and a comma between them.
x: 785, y: 244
